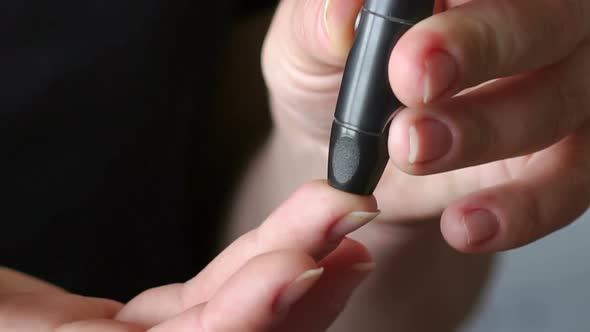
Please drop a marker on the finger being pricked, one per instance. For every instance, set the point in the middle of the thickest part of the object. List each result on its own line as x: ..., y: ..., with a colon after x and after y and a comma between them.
x: 551, y: 191
x: 477, y: 41
x: 314, y: 220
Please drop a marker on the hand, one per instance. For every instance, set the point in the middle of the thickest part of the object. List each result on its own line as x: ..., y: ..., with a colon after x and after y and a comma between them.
x: 293, y: 273
x: 497, y: 124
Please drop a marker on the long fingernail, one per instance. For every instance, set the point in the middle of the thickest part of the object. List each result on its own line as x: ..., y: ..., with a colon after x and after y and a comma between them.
x: 440, y: 71
x: 297, y: 289
x: 351, y: 223
x: 480, y: 226
x: 339, y: 20
x: 429, y: 140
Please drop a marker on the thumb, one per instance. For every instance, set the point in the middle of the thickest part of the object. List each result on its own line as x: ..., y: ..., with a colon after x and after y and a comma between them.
x: 303, y: 59
x: 320, y: 32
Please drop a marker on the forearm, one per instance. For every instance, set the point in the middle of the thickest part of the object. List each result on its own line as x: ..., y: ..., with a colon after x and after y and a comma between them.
x: 418, y: 275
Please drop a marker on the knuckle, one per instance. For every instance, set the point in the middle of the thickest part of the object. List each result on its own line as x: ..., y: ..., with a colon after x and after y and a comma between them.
x: 251, y: 242
x: 502, y: 49
x: 484, y: 46
x: 491, y: 48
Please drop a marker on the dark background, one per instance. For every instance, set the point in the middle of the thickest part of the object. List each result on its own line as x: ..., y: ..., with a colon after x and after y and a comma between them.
x: 123, y: 128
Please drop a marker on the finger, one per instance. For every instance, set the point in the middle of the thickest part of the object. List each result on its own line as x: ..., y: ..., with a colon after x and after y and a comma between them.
x: 17, y: 282
x: 314, y: 220
x: 256, y: 297
x: 483, y: 40
x: 49, y: 310
x: 100, y: 325
x: 284, y: 290
x: 303, y: 59
x: 318, y: 32
x: 551, y: 192
x: 507, y: 118
x: 345, y: 269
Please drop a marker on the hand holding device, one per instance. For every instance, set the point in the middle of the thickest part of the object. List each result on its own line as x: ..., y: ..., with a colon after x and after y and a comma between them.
x: 366, y: 104
x: 495, y: 137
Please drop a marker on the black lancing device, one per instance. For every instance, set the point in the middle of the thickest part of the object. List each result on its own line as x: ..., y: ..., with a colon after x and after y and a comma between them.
x: 366, y: 103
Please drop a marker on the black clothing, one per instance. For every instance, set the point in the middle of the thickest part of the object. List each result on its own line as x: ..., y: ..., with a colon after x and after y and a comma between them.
x: 99, y: 103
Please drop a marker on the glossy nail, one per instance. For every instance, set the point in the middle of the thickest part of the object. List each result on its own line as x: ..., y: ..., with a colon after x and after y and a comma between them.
x: 440, y: 71
x: 480, y: 226
x: 429, y: 140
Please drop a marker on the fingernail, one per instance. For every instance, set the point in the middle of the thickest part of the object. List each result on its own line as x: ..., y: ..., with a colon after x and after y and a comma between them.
x: 440, y: 72
x: 480, y: 226
x: 339, y: 21
x: 351, y: 223
x: 429, y: 140
x: 297, y: 289
x: 364, y: 267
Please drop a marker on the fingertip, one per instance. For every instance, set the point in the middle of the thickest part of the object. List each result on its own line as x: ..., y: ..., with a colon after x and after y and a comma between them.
x: 422, y: 142
x: 345, y: 270
x: 339, y: 17
x: 452, y: 230
x: 315, y: 219
x: 474, y: 224
x: 262, y: 291
x: 319, y: 194
x: 409, y: 63
x: 404, y: 71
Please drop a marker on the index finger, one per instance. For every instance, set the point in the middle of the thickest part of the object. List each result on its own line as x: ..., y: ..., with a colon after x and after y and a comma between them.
x: 483, y: 40
x: 314, y: 220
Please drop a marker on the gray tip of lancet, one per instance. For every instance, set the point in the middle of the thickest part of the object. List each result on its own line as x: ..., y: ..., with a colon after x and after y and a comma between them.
x: 357, y: 160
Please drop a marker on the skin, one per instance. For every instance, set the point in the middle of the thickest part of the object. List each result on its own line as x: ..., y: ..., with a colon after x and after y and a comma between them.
x: 515, y: 113
x: 530, y: 170
x: 516, y: 146
x: 239, y: 291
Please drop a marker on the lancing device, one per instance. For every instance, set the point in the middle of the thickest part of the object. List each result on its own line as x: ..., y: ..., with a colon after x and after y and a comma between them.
x: 366, y: 104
